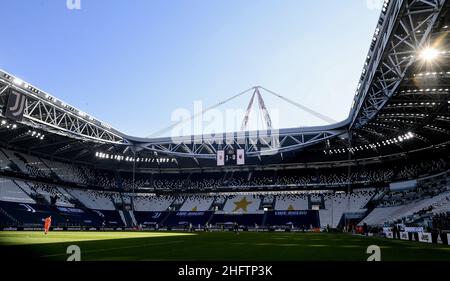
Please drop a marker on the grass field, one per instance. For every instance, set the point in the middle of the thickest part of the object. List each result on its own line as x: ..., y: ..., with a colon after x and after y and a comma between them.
x: 218, y: 246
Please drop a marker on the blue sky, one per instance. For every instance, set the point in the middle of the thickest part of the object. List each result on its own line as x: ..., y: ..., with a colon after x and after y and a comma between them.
x: 133, y: 63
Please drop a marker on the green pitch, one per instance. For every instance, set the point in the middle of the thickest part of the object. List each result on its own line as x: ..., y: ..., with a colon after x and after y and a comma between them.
x: 221, y: 246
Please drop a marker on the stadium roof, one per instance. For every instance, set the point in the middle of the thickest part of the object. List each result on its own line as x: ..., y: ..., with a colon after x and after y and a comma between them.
x: 401, y: 104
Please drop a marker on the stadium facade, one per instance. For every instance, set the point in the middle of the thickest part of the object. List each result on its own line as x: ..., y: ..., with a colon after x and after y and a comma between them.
x: 386, y: 163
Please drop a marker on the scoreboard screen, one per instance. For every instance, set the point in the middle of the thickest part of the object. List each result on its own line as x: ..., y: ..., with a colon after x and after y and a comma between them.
x: 230, y: 157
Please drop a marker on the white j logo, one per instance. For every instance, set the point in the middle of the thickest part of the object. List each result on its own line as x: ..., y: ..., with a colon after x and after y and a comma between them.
x: 17, y: 108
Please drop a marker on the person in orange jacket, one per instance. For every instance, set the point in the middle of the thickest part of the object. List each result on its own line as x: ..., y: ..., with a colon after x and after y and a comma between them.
x: 47, y: 224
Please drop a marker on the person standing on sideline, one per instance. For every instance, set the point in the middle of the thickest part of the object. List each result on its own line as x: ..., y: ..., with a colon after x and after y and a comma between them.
x: 47, y: 224
x: 236, y: 228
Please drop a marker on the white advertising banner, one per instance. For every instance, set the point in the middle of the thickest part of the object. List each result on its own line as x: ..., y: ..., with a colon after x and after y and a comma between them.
x: 389, y: 234
x: 220, y: 158
x: 404, y: 185
x: 240, y: 157
x: 425, y: 237
x: 414, y: 229
x: 404, y: 236
x: 448, y: 238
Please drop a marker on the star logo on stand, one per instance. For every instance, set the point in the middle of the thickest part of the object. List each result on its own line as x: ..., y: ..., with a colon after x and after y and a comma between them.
x: 242, y: 204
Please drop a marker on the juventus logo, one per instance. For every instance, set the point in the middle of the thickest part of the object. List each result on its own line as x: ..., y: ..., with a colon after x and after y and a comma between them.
x: 99, y: 213
x: 29, y: 208
x: 156, y: 215
x: 16, y: 106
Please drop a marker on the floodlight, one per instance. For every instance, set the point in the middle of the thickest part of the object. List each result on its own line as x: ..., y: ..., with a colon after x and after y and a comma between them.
x: 17, y: 81
x: 429, y: 54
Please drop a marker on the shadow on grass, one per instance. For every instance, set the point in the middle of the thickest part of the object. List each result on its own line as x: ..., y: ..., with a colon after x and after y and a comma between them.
x: 224, y: 246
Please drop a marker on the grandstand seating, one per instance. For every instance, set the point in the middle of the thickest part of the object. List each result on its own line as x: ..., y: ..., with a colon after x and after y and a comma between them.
x: 26, y: 187
x: 197, y: 203
x: 202, y: 201
x: 65, y: 172
x: 48, y: 191
x: 144, y: 203
x: 4, y: 162
x: 95, y: 200
x: 240, y: 181
x: 13, y: 157
x: 292, y: 202
x: 389, y: 214
x: 339, y: 203
x: 11, y: 192
x: 104, y: 207
x: 35, y: 166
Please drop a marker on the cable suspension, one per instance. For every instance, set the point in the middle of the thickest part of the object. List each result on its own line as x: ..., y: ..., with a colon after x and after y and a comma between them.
x: 302, y: 107
x: 262, y: 107
x: 169, y: 128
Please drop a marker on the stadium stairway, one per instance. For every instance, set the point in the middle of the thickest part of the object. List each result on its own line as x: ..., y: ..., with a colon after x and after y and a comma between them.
x: 133, y: 218
x: 79, y: 205
x: 126, y: 222
x: 264, y: 219
x: 224, y: 177
x: 210, y: 218
x: 372, y: 204
x: 8, y: 162
x: 48, y: 169
x: 186, y: 181
x: 176, y: 204
x: 127, y: 218
x: 119, y: 180
x: 163, y: 221
x: 29, y: 190
x: 261, y: 203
